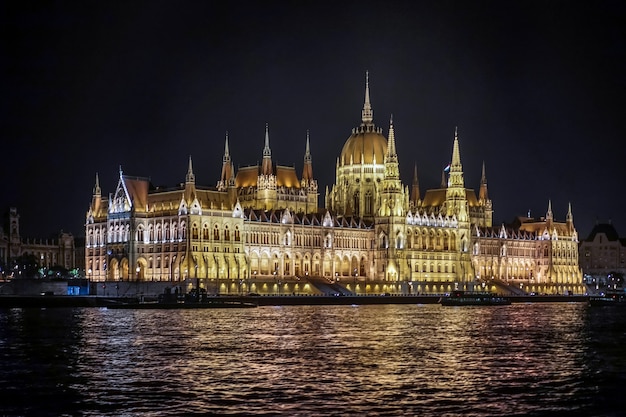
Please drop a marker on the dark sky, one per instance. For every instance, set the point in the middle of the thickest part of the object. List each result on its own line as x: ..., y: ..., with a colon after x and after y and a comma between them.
x: 536, y: 89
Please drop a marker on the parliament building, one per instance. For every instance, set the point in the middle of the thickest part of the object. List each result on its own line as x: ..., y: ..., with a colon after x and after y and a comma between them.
x: 261, y: 229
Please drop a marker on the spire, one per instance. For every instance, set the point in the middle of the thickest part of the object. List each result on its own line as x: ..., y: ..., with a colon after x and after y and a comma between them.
x: 227, y: 168
x: 97, y: 196
x: 456, y: 169
x: 549, y: 212
x: 392, y: 170
x: 226, y: 151
x: 307, y: 150
x: 482, y: 194
x: 456, y: 157
x: 190, y: 176
x: 266, y: 150
x: 307, y: 172
x: 415, y: 188
x: 443, y: 179
x: 391, y: 143
x: 367, y: 115
x: 96, y: 189
x: 266, y: 168
x: 570, y: 217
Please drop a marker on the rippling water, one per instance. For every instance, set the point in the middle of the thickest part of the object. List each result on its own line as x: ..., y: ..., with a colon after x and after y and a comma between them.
x: 376, y: 360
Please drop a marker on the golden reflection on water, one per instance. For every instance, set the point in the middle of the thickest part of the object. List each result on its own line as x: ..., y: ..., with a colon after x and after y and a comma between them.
x: 334, y: 360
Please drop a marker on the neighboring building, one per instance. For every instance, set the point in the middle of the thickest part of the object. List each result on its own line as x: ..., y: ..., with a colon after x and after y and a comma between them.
x: 58, y: 251
x: 603, y: 256
x: 260, y: 229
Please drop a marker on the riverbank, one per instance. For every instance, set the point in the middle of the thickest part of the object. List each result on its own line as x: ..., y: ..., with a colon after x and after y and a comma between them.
x: 60, y: 301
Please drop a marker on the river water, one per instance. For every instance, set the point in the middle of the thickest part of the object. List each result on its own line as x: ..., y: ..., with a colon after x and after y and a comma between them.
x: 530, y: 359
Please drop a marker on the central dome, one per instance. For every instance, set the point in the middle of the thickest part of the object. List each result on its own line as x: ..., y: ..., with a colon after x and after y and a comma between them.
x: 366, y: 141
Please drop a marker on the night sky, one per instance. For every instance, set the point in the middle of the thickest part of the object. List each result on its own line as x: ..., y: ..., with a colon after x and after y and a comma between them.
x: 536, y: 89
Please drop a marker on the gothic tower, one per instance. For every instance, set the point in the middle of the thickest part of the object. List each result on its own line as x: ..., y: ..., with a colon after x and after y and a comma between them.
x: 456, y: 198
x: 267, y: 180
x: 484, y: 202
x: 391, y: 218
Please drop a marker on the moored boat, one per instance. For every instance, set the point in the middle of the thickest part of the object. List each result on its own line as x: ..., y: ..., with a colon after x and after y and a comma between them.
x: 465, y: 298
x: 608, y: 298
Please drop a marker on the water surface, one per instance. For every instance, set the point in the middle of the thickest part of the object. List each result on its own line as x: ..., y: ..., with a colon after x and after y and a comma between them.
x: 377, y: 360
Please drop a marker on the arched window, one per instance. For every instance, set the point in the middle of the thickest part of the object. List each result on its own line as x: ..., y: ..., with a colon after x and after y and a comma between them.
x: 216, y: 233
x: 226, y: 234
x: 368, y: 202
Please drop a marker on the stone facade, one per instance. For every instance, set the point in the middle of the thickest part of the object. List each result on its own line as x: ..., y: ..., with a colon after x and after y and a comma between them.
x: 261, y: 230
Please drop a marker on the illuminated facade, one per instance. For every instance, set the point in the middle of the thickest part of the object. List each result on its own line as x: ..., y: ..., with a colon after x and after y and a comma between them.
x: 261, y: 230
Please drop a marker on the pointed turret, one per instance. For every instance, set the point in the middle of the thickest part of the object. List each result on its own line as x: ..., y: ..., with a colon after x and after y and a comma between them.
x: 266, y: 167
x: 570, y: 217
x: 367, y: 114
x: 484, y: 201
x: 392, y: 190
x: 456, y: 197
x: 549, y: 212
x: 456, y: 169
x: 549, y: 217
x: 190, y: 183
x: 97, y: 196
x: 415, y: 189
x: 227, y: 168
x: 391, y: 143
x: 443, y: 180
x: 307, y: 171
x: 97, y: 192
x: 391, y: 158
x: 190, y: 178
x: 482, y: 194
